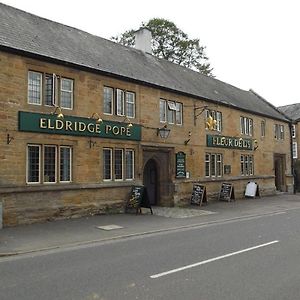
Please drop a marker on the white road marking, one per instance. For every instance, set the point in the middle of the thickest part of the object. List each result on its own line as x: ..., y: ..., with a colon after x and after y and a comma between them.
x: 211, y: 260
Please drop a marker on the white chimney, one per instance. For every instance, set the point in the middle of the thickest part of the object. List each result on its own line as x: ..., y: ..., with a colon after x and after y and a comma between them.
x: 143, y: 39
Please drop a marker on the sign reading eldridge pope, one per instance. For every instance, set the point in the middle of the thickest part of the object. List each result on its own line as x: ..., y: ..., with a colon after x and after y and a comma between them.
x: 229, y: 142
x: 77, y: 126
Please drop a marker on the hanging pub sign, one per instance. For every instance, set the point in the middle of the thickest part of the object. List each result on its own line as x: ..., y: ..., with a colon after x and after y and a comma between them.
x: 220, y: 141
x: 180, y: 165
x: 198, y: 195
x: 77, y: 126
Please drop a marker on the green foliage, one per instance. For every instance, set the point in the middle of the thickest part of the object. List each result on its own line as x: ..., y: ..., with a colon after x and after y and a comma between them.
x: 171, y: 43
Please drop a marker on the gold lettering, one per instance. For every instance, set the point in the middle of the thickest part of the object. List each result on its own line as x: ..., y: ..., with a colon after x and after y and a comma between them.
x: 43, y: 123
x: 230, y: 143
x: 81, y: 127
x: 128, y: 132
x: 116, y: 130
x: 123, y: 130
x: 107, y: 128
x: 69, y: 125
x: 59, y: 124
x: 97, y: 129
x: 49, y: 124
x: 222, y: 141
x: 75, y: 126
x: 91, y: 127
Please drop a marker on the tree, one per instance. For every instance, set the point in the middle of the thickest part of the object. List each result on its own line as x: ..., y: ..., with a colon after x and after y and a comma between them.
x: 171, y: 43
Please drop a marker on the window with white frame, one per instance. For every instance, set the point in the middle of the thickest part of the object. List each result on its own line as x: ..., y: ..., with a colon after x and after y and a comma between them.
x: 50, y: 90
x: 295, y: 150
x: 119, y: 102
x: 279, y: 132
x: 293, y: 131
x: 170, y: 112
x: 246, y: 125
x: 213, y: 165
x: 108, y: 100
x: 217, y: 116
x: 247, y: 165
x: 48, y: 160
x: 118, y: 164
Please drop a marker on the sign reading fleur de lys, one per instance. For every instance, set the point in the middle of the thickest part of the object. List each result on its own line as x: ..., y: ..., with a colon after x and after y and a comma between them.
x: 220, y: 141
x: 77, y: 126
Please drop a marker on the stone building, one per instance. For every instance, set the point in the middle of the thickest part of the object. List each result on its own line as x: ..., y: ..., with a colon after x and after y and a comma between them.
x: 292, y: 112
x: 83, y: 119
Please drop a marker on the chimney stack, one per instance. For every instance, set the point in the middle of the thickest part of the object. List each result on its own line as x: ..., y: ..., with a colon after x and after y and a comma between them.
x: 143, y: 39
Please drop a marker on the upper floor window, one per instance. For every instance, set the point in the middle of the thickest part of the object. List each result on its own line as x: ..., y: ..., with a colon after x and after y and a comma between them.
x: 118, y: 101
x: 246, y: 126
x: 293, y: 131
x: 279, y: 132
x: 170, y: 112
x: 50, y: 90
x: 217, y: 116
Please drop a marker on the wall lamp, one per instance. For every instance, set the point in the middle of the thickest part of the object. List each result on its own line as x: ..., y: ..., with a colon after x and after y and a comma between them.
x: 126, y: 120
x: 60, y: 114
x: 163, y: 132
x: 96, y: 117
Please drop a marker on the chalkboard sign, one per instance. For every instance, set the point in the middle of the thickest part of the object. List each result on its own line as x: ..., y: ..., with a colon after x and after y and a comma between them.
x: 198, y: 195
x: 227, y: 192
x: 138, y: 198
x: 180, y: 165
x: 252, y: 189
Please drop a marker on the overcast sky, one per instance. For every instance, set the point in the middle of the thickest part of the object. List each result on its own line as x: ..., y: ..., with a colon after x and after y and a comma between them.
x: 250, y: 44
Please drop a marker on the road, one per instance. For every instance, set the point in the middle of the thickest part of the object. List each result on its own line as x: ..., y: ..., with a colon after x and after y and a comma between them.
x: 249, y: 258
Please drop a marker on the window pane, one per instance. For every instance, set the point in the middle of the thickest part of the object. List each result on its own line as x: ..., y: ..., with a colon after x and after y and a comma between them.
x: 130, y: 105
x: 178, y: 113
x: 33, y: 163
x: 213, y: 165
x: 65, y: 164
x: 162, y: 110
x: 129, y: 161
x: 171, y: 116
x: 34, y: 87
x: 49, y: 90
x: 66, y: 93
x: 108, y: 100
x: 49, y: 163
x: 107, y: 164
x: 120, y: 102
x: 219, y: 121
x: 118, y: 164
x: 242, y: 165
x: 207, y: 165
x: 219, y: 165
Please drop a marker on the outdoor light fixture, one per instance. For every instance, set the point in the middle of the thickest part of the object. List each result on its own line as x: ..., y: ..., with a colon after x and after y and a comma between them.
x: 60, y: 114
x: 126, y: 120
x: 163, y: 132
x: 96, y: 117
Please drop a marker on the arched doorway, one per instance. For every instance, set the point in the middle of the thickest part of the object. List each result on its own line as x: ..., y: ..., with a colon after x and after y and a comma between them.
x: 150, y: 181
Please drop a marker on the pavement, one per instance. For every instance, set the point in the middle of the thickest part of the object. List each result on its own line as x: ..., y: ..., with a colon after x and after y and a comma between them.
x: 93, y: 229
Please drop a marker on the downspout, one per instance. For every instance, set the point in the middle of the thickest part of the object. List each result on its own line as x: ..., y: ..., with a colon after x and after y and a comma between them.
x: 292, y: 159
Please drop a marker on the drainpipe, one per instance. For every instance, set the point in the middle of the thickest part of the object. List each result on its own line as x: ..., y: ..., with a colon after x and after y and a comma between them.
x: 292, y: 159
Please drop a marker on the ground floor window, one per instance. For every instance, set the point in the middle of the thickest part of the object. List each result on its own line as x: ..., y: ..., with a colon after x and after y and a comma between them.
x: 48, y: 164
x: 213, y: 164
x: 118, y: 164
x: 247, y: 165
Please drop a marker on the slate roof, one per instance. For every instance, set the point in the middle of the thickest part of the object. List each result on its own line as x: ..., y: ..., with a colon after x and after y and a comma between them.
x: 32, y: 35
x: 292, y: 111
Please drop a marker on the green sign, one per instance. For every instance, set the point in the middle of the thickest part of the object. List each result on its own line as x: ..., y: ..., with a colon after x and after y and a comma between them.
x: 180, y: 165
x: 77, y: 126
x: 220, y: 141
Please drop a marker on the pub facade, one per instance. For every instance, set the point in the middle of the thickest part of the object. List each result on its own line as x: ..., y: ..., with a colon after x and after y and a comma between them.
x: 84, y: 119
